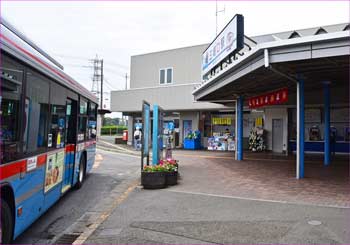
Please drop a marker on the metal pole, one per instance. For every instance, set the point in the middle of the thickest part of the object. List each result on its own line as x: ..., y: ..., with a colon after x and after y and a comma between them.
x: 240, y: 129
x: 327, y: 124
x: 216, y: 17
x: 300, y: 129
x: 236, y: 130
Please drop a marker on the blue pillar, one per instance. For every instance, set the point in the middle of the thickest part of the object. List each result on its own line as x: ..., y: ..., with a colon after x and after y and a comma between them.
x: 300, y: 128
x: 327, y: 124
x: 155, y: 149
x: 239, y: 114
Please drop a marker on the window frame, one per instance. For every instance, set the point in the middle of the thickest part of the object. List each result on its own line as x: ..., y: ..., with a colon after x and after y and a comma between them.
x: 166, y: 75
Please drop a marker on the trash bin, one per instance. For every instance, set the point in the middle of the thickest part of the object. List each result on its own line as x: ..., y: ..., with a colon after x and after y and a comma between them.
x: 125, y: 135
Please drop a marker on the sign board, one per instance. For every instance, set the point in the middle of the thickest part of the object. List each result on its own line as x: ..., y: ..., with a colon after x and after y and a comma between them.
x: 146, y: 139
x: 274, y: 98
x: 221, y: 121
x: 31, y: 163
x: 229, y: 40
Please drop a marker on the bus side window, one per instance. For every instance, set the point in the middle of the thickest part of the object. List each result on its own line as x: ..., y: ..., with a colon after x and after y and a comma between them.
x: 82, y: 120
x: 10, y: 110
x: 57, y: 128
x: 92, y: 130
x: 37, y: 98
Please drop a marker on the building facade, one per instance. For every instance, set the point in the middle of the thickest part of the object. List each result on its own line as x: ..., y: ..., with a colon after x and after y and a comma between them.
x: 167, y: 78
x: 173, y: 80
x: 300, y: 79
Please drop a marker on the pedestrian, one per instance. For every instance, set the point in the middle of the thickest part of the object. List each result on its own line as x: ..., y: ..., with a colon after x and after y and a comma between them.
x: 137, y: 138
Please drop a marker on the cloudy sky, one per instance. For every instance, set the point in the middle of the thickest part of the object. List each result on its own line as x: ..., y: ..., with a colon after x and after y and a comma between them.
x: 74, y: 32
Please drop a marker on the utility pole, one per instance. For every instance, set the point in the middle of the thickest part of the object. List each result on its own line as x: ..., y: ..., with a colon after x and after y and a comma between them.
x: 97, y: 78
x: 101, y: 62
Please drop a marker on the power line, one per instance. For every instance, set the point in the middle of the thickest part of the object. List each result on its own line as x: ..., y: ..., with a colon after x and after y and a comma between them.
x: 109, y: 85
x: 87, y: 59
x: 85, y: 66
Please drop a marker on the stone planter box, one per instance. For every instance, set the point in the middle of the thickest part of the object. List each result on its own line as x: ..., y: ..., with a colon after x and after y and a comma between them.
x: 153, y: 180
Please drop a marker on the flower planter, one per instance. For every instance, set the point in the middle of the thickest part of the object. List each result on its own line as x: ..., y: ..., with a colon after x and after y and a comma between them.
x: 153, y: 180
x: 171, y: 178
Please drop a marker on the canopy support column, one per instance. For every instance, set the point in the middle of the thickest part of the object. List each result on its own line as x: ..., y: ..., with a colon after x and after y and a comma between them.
x: 239, y: 123
x: 300, y: 129
x: 327, y: 124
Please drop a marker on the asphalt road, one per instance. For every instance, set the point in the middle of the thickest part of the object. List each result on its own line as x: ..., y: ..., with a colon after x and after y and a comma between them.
x: 110, y: 171
x: 168, y: 217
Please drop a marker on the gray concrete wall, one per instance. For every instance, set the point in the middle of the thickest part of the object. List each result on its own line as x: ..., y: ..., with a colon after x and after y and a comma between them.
x: 186, y: 64
x: 171, y: 98
x: 130, y: 130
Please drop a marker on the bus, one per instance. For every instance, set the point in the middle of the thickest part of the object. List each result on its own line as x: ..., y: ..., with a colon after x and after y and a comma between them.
x: 47, y: 132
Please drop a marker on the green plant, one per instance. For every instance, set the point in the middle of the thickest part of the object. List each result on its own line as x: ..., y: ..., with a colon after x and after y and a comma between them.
x: 113, y: 129
x: 155, y: 168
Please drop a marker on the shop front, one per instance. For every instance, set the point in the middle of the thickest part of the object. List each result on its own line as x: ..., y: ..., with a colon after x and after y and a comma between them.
x: 219, y: 129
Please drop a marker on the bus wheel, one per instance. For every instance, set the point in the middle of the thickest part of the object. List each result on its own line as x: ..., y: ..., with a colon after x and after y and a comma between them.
x: 6, y: 223
x: 81, y: 175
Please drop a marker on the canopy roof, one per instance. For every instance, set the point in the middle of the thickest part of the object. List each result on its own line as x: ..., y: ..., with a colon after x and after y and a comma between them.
x: 316, y: 54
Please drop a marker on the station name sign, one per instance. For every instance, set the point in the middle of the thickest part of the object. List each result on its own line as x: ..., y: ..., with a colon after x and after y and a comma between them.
x: 229, y: 40
x: 274, y: 98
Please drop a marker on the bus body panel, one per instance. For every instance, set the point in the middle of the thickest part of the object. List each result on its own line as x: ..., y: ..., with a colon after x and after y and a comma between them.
x: 90, y: 152
x: 28, y: 189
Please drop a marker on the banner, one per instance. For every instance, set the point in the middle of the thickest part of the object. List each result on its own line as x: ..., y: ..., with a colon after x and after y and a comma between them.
x: 221, y: 121
x: 274, y: 98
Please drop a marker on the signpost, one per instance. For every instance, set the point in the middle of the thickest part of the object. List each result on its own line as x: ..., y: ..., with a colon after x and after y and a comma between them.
x: 229, y: 40
x: 157, y: 139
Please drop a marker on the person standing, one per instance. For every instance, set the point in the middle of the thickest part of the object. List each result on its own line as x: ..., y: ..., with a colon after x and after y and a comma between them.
x: 137, y: 138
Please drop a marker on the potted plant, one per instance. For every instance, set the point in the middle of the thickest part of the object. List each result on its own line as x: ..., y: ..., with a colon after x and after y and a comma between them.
x: 171, y: 166
x: 154, y: 177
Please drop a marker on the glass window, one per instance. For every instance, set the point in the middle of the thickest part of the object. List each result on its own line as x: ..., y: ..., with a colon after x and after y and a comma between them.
x: 82, y: 128
x: 162, y: 76
x: 57, y: 134
x: 36, y: 113
x: 10, y: 110
x: 92, y: 121
x: 169, y: 75
x: 83, y: 106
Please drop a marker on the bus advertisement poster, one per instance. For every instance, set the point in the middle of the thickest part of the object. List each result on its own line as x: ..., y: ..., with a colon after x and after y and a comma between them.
x: 54, y: 170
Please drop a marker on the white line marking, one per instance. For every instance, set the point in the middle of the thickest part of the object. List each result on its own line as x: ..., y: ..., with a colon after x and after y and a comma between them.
x: 118, y: 153
x: 257, y: 199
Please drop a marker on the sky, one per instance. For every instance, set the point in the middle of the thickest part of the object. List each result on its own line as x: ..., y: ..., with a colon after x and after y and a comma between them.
x: 74, y: 32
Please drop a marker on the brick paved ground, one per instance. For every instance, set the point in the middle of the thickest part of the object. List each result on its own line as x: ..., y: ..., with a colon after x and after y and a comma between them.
x: 265, y: 176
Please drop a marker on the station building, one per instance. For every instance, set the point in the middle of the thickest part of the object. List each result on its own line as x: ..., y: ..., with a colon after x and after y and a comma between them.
x: 312, y: 63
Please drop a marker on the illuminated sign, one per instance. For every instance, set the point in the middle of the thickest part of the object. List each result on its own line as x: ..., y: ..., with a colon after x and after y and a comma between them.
x: 230, y: 39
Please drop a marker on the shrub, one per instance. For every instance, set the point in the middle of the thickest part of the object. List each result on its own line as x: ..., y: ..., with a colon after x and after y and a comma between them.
x: 114, y: 129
